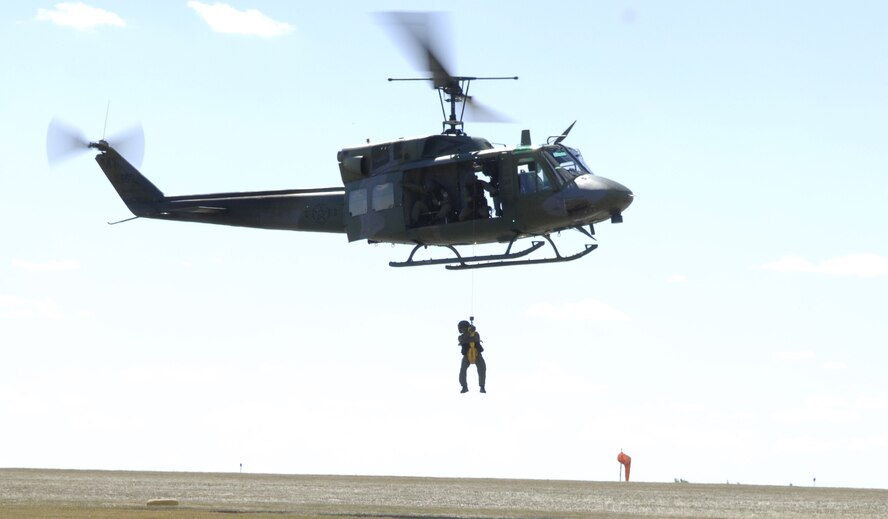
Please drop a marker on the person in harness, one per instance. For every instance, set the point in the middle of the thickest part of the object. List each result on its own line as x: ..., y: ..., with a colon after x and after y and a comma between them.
x: 470, y: 344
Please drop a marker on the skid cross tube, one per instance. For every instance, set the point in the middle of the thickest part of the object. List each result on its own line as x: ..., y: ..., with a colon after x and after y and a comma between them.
x: 559, y: 259
x: 506, y: 259
x: 464, y: 260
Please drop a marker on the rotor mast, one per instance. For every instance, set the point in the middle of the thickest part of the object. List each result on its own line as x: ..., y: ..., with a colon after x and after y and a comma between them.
x: 453, y: 90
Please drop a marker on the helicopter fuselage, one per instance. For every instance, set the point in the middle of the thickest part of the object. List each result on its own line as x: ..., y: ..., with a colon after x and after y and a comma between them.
x: 527, y: 190
x: 445, y: 190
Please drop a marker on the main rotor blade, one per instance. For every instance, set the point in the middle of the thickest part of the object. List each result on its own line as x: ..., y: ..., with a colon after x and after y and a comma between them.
x: 417, y: 37
x: 480, y: 113
x: 63, y: 141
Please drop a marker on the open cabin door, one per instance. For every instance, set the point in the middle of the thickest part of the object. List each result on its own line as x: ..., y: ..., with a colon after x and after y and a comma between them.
x: 373, y: 208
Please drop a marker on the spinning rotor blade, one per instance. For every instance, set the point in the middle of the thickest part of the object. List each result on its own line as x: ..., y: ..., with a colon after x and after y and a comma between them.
x: 416, y: 31
x: 480, y: 113
x: 63, y: 141
x: 416, y: 35
x: 130, y: 143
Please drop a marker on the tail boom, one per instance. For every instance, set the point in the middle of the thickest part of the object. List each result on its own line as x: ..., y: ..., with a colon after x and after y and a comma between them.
x: 314, y: 210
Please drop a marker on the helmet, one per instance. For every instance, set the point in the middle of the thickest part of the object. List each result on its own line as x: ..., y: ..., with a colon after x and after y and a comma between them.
x: 463, y: 326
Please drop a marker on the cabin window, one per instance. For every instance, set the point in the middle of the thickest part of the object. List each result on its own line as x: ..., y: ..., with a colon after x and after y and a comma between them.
x: 532, y: 177
x: 383, y: 197
x: 357, y: 202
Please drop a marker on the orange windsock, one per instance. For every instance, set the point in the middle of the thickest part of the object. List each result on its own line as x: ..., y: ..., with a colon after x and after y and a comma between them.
x: 626, y: 461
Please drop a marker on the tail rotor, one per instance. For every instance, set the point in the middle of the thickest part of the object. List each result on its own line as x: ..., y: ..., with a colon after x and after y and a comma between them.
x: 65, y: 141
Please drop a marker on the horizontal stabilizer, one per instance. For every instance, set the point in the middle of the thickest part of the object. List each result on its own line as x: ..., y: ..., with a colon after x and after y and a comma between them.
x: 196, y: 209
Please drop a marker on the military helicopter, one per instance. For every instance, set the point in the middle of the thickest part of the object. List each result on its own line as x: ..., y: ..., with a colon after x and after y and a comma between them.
x: 424, y: 191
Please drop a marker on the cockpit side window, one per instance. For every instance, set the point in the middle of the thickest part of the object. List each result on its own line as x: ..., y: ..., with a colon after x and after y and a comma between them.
x: 532, y: 176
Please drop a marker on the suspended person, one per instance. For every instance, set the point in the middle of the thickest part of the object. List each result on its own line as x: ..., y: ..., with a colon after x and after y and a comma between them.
x: 470, y: 344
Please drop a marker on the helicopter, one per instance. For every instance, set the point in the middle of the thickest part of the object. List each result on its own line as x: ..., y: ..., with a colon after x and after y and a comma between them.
x: 425, y: 192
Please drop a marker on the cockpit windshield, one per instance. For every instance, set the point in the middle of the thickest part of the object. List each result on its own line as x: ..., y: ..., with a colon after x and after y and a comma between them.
x: 579, y: 156
x: 567, y: 162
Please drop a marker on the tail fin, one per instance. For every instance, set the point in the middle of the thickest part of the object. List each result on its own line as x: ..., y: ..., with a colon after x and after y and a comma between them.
x: 137, y: 192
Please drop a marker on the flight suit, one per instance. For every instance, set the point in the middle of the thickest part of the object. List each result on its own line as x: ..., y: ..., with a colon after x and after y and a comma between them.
x: 464, y: 339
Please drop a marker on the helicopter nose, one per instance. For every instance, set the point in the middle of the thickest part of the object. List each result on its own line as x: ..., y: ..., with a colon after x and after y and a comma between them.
x: 617, y: 197
x: 599, y: 197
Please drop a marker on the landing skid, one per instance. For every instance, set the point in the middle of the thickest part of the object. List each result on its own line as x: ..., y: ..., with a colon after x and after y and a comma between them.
x: 506, y: 259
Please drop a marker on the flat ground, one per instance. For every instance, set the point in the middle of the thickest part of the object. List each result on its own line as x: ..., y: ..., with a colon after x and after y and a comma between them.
x: 30, y: 493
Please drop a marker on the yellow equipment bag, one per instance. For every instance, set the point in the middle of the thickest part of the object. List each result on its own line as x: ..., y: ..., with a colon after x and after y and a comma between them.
x: 472, y: 354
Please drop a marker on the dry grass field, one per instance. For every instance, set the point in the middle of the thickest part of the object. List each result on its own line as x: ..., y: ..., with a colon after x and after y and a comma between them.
x: 27, y: 493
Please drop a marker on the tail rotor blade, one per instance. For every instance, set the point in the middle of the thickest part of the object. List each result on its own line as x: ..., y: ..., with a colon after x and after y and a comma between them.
x: 130, y: 143
x: 63, y: 141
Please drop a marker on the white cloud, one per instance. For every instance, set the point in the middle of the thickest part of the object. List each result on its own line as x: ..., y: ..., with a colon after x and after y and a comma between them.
x: 820, y: 446
x: 819, y: 409
x: 585, y: 310
x: 871, y: 403
x: 19, y: 308
x: 805, y: 355
x: 827, y: 409
x: 794, y: 355
x: 226, y: 19
x: 789, y: 264
x: 79, y: 16
x: 677, y: 278
x: 861, y: 265
x: 48, y: 266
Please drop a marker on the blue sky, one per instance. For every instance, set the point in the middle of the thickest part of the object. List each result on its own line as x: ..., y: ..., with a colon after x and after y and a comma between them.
x: 732, y: 329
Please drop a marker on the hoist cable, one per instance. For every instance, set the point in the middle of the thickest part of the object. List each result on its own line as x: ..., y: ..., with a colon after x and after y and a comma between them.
x: 474, y: 242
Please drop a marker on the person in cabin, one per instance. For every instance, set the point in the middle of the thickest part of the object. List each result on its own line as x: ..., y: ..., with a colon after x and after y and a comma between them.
x: 492, y: 171
x: 470, y: 345
x: 474, y: 202
x: 432, y: 205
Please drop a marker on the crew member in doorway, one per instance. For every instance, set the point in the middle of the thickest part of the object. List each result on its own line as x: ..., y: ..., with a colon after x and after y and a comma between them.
x: 470, y: 344
x: 474, y: 201
x: 433, y: 203
x: 492, y: 171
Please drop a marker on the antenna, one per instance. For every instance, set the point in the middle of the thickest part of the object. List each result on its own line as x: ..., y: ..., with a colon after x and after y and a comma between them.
x: 105, y: 127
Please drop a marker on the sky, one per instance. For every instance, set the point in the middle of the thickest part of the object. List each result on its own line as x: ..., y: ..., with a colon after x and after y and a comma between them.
x: 732, y: 329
